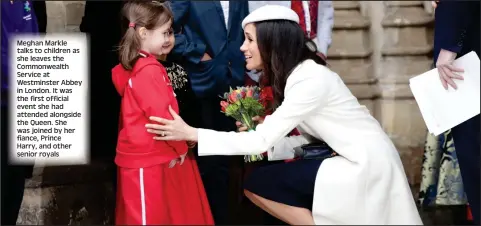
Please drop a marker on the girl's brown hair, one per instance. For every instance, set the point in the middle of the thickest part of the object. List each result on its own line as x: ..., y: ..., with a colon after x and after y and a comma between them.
x: 137, y: 14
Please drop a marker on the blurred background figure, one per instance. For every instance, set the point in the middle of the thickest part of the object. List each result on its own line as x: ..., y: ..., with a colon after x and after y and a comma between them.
x: 441, y: 177
x: 457, y: 32
x: 17, y: 17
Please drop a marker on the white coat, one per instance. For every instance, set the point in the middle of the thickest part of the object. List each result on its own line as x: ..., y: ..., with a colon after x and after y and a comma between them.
x: 366, y: 184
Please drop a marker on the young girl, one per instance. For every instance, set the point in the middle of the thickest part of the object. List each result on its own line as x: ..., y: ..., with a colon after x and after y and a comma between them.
x: 158, y: 181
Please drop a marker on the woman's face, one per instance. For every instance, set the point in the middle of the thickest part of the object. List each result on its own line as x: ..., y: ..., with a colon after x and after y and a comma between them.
x: 250, y: 49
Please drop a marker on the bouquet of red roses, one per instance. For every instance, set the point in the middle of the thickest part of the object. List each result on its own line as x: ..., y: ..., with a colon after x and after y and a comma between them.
x: 243, y: 104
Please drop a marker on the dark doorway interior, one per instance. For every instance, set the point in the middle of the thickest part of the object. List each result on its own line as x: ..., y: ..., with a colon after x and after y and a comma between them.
x: 101, y: 22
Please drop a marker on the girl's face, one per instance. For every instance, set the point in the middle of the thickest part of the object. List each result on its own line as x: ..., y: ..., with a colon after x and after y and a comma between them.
x: 158, y: 41
x: 250, y: 48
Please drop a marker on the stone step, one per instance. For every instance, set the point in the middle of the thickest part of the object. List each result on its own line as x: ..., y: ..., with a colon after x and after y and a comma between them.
x: 349, y: 20
x: 353, y: 70
x: 338, y: 5
x: 406, y: 16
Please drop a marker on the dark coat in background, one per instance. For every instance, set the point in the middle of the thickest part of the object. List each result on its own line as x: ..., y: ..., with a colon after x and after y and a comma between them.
x: 457, y: 29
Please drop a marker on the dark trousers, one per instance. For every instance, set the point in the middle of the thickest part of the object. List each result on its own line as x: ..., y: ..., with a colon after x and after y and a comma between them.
x: 466, y: 140
x: 13, y: 178
x: 214, y: 170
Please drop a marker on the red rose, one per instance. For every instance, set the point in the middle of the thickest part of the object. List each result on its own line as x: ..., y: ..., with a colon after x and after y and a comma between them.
x: 266, y: 98
x: 266, y: 94
x: 243, y: 94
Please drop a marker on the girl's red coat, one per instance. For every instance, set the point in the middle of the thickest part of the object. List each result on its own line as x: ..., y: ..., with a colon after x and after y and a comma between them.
x: 145, y: 91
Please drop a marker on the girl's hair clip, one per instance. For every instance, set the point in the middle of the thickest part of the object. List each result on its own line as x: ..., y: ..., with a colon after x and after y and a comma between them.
x: 132, y: 24
x: 311, y: 46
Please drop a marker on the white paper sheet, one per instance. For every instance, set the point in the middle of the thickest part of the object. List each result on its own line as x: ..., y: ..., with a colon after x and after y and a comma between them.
x: 444, y: 109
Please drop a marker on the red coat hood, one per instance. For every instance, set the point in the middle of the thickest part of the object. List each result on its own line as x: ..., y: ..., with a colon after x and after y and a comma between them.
x: 120, y: 78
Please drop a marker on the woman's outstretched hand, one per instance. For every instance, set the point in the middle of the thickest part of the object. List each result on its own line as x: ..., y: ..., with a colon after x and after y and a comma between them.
x: 241, y: 127
x: 175, y: 129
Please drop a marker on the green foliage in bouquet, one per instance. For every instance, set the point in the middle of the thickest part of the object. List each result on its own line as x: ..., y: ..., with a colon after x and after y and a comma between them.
x: 243, y: 104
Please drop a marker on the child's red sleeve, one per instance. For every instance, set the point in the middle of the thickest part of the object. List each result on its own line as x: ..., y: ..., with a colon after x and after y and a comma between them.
x: 150, y: 89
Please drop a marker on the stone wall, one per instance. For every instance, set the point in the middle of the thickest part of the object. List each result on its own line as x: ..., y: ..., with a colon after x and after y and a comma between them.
x: 377, y: 46
x: 70, y: 195
x: 64, y: 16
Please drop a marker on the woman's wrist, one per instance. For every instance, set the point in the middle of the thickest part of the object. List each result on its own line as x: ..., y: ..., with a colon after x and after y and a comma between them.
x: 193, y: 134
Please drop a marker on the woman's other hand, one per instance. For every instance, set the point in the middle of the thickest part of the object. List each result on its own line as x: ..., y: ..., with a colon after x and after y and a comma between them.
x: 241, y: 127
x: 175, y: 129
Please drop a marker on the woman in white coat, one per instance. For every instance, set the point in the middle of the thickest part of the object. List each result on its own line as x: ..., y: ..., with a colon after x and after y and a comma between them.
x: 365, y: 184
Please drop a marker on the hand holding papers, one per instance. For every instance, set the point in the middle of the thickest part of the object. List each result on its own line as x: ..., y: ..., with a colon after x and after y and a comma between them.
x: 444, y: 109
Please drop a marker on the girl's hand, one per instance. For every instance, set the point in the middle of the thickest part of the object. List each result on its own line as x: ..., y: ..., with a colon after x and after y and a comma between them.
x: 241, y: 127
x: 179, y: 160
x: 173, y: 162
x: 182, y: 158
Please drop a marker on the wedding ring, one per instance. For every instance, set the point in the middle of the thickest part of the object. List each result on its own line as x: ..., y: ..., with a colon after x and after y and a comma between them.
x: 163, y: 134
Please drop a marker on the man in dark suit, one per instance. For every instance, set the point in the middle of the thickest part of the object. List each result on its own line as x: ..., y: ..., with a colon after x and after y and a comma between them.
x: 457, y: 32
x: 17, y: 17
x: 207, y: 43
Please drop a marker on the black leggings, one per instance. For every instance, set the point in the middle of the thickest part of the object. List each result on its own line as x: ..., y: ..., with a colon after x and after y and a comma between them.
x: 13, y: 179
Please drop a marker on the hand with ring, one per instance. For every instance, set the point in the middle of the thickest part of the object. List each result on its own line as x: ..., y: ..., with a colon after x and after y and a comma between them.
x: 175, y: 129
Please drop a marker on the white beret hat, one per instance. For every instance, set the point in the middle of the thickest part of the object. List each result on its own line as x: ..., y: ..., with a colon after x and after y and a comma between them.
x: 270, y: 12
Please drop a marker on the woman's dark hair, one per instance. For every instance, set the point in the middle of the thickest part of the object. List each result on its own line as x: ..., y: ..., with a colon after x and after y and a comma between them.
x: 148, y: 14
x: 282, y: 46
